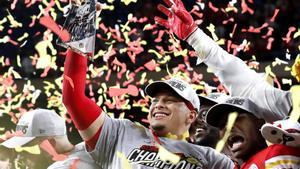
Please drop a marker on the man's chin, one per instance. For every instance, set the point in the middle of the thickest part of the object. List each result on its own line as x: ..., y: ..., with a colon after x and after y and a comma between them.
x: 159, y: 129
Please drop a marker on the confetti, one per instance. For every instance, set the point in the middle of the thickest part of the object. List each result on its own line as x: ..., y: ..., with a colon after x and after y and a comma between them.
x: 124, y: 160
x: 167, y: 156
x: 275, y: 15
x: 296, y: 68
x: 32, y: 150
x: 51, y: 24
x: 132, y: 90
x: 230, y: 122
x: 288, y: 38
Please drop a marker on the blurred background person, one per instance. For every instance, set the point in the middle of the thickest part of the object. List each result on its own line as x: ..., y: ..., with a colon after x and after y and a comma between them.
x: 42, y: 125
x: 7, y: 158
x: 204, y: 134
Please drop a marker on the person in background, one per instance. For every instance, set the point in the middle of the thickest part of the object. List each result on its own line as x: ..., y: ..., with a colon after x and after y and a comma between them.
x: 245, y: 140
x: 286, y: 132
x: 41, y: 125
x: 205, y: 134
x: 7, y: 158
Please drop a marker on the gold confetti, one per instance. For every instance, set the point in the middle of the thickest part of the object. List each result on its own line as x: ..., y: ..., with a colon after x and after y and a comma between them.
x: 278, y: 62
x: 32, y: 150
x: 23, y: 37
x: 14, y: 73
x: 287, y: 81
x: 2, y: 22
x: 13, y: 22
x: 156, y: 53
x: 167, y: 156
x: 175, y: 137
x: 230, y: 122
x: 127, y: 2
x: 296, y: 68
x: 212, y: 30
x: 5, y: 39
x: 269, y: 72
x: 19, y: 61
x: 124, y: 160
x: 297, y: 34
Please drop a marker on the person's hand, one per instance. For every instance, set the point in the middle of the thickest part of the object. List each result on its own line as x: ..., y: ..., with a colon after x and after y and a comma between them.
x: 179, y: 19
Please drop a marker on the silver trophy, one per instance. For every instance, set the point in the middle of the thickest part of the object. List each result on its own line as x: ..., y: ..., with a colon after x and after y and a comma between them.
x: 81, y: 24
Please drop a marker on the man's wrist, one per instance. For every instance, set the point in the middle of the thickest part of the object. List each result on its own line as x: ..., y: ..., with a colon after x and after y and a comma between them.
x: 196, y: 41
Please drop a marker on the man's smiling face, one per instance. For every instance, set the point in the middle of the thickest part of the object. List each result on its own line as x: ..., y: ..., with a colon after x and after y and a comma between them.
x: 169, y: 114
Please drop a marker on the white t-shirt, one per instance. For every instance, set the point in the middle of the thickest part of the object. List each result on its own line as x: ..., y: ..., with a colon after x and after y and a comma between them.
x: 136, y: 143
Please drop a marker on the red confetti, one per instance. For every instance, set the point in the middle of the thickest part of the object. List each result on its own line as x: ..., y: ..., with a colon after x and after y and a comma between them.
x: 160, y: 34
x: 245, y: 8
x: 196, y: 12
x: 75, y: 164
x: 274, y: 16
x: 50, y: 5
x: 131, y: 89
x: 32, y: 22
x: 151, y: 65
x: 69, y: 80
x: 288, y: 35
x: 270, y: 41
x: 49, y: 23
x: 123, y: 67
x: 91, y: 93
x: 228, y: 20
x: 210, y: 5
x: 46, y: 70
x: 12, y: 41
x: 13, y: 5
x: 269, y: 33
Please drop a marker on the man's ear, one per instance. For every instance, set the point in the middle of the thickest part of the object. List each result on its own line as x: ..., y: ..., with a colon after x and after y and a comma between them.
x: 192, y: 115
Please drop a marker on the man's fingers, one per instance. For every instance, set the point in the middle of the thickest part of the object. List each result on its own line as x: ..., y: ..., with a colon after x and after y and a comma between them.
x: 169, y: 2
x: 161, y: 22
x: 184, y: 16
x: 178, y: 3
x: 164, y: 10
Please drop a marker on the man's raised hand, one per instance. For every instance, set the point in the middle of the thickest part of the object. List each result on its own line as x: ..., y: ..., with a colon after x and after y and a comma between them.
x: 179, y: 19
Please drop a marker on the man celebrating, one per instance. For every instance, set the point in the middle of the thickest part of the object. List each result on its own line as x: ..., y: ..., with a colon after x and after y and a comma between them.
x: 173, y: 109
x: 246, y: 141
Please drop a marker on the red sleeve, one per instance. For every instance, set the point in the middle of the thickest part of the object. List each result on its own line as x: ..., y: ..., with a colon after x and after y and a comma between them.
x: 82, y: 109
x: 281, y: 156
x: 280, y: 149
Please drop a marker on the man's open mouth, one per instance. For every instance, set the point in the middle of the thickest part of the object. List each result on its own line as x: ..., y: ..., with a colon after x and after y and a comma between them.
x: 235, y: 141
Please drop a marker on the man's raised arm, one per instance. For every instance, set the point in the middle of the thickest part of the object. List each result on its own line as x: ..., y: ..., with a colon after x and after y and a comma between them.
x: 85, y: 113
x: 232, y: 71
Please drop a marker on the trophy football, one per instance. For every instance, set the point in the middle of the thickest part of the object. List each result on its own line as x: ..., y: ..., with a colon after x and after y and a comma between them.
x: 81, y: 25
